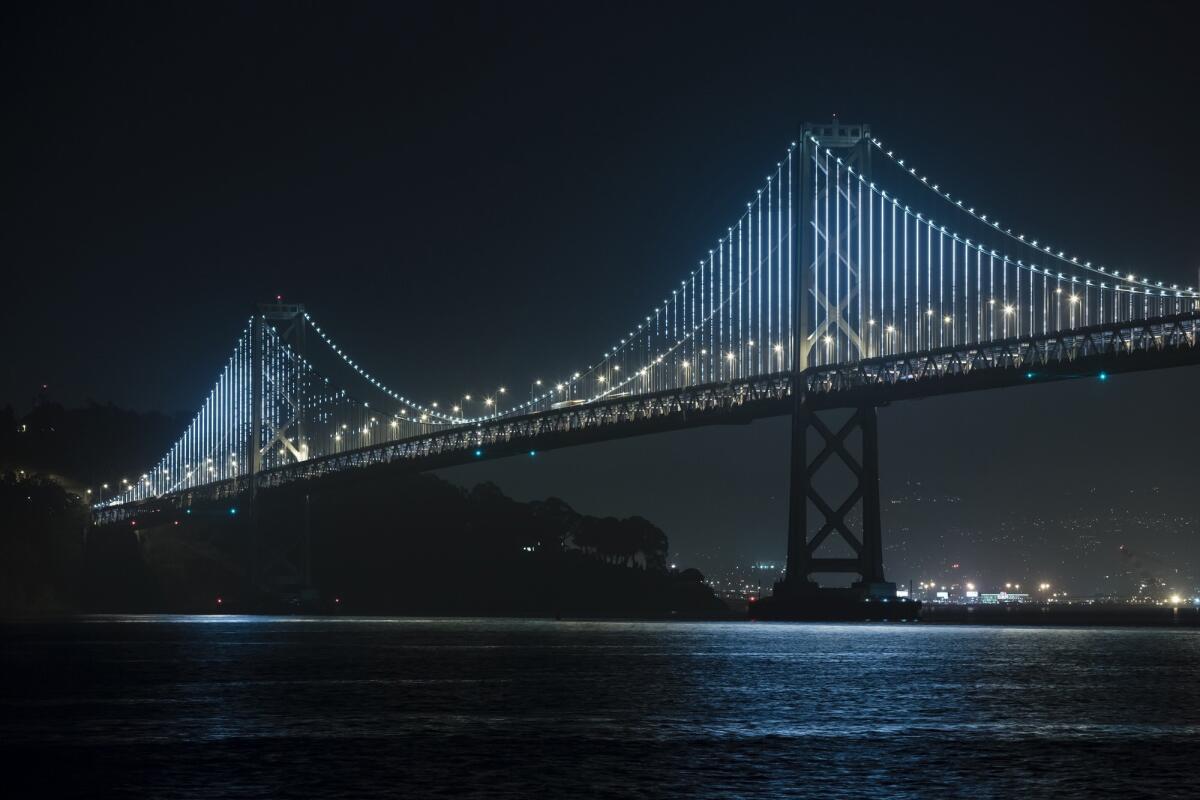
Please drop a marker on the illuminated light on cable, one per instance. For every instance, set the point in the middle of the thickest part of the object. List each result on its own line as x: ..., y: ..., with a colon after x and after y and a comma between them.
x: 984, y: 217
x: 664, y: 331
x: 1103, y: 376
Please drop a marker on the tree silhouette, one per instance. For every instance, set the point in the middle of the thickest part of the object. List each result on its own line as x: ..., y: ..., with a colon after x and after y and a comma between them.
x: 648, y: 540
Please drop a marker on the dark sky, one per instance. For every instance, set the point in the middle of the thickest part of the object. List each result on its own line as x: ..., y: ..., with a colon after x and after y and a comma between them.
x: 474, y: 195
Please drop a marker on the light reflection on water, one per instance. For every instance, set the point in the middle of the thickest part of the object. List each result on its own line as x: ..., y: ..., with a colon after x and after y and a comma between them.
x: 241, y: 706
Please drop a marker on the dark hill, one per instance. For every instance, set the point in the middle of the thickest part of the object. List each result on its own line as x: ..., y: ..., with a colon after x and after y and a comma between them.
x: 386, y: 542
x: 379, y: 540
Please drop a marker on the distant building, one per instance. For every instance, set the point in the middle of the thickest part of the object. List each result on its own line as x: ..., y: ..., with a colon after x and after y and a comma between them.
x: 1004, y: 597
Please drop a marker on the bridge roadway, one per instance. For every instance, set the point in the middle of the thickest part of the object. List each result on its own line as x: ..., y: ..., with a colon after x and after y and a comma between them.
x: 1081, y: 353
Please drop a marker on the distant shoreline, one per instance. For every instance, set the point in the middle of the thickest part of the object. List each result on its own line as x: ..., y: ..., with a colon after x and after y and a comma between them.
x: 1082, y: 615
x: 942, y: 615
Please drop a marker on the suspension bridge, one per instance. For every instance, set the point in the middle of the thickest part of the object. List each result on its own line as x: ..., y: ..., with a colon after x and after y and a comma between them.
x: 848, y: 280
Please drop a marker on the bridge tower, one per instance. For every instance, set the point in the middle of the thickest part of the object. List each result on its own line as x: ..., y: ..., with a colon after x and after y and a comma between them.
x: 279, y: 560
x: 816, y: 314
x: 289, y: 323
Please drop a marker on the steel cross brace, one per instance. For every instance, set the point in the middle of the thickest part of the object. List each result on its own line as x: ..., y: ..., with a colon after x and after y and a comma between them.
x: 867, y: 546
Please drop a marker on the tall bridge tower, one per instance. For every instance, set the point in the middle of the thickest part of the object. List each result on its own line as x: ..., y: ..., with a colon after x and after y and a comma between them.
x: 288, y: 322
x: 281, y: 560
x: 848, y: 146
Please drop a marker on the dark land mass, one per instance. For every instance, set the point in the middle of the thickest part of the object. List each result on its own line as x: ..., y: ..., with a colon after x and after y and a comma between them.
x: 368, y: 541
x: 43, y: 537
x: 379, y: 542
x: 373, y: 543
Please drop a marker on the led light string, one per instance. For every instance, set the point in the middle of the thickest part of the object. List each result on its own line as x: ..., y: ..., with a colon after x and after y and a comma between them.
x: 709, y: 329
x: 205, y: 435
x: 1074, y: 312
x: 715, y: 311
x: 368, y: 418
x: 994, y: 225
x: 636, y: 335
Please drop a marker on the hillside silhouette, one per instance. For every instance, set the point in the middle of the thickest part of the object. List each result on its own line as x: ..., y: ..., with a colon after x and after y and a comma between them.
x: 378, y: 540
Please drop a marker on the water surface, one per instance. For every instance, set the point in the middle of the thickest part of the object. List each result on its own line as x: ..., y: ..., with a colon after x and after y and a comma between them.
x: 337, y: 707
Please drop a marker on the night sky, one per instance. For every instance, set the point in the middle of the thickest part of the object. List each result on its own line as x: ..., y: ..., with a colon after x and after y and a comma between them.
x: 470, y: 196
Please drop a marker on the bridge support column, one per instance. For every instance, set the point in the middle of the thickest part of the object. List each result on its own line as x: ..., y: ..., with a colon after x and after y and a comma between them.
x: 280, y: 558
x: 815, y: 315
x: 866, y: 542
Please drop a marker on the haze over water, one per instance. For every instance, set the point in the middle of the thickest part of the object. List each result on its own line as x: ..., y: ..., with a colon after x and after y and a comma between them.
x: 261, y: 707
